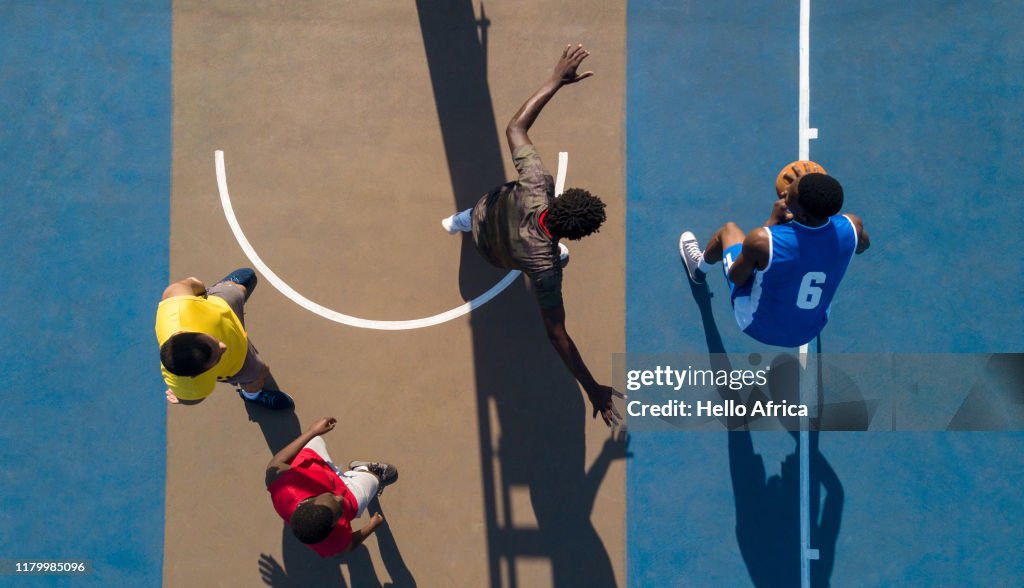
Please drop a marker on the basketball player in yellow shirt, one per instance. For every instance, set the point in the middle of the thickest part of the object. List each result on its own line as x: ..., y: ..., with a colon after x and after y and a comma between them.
x: 202, y: 338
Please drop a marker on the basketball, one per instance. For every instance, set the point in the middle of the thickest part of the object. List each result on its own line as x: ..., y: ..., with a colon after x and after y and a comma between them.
x: 807, y: 167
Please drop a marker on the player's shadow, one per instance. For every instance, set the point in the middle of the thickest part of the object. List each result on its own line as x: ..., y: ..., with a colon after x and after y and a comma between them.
x: 305, y: 569
x: 302, y: 567
x: 279, y: 428
x: 538, y: 494
x: 768, y: 507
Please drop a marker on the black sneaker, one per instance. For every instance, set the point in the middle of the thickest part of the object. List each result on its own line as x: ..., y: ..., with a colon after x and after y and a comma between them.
x: 691, y: 253
x: 270, y: 399
x: 385, y: 472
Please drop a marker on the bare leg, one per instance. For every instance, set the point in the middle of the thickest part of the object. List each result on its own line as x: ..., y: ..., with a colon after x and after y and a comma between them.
x: 257, y: 384
x: 725, y: 237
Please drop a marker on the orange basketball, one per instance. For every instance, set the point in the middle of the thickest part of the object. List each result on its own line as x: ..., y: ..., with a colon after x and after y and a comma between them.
x: 807, y: 167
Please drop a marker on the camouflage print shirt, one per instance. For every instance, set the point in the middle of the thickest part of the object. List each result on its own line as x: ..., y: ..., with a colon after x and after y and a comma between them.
x: 507, y: 231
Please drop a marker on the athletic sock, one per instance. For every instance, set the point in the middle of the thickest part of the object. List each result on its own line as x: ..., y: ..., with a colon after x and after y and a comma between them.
x: 704, y: 266
x: 251, y: 395
x: 464, y: 220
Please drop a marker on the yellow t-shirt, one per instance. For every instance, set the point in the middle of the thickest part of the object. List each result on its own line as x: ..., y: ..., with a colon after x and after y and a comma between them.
x: 213, y: 317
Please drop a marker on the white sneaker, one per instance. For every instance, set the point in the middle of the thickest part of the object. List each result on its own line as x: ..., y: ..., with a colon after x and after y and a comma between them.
x: 690, y: 252
x: 563, y: 254
x: 458, y: 222
x: 448, y: 224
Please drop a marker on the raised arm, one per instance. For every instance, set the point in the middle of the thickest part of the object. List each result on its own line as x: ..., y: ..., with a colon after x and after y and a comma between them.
x: 863, y: 241
x: 600, y: 396
x: 565, y: 73
x: 188, y: 287
x: 281, y: 462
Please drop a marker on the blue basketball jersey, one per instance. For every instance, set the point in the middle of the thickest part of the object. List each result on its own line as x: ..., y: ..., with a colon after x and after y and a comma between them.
x: 788, y: 302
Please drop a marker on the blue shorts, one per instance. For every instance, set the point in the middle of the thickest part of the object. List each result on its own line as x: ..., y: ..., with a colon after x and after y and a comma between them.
x: 728, y: 258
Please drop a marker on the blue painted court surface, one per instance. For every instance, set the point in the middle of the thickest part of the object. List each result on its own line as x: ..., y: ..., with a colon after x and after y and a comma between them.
x: 85, y: 92
x: 919, y: 106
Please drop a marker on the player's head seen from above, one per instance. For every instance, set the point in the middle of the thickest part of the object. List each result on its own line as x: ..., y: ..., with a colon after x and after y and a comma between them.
x: 818, y: 195
x: 190, y: 354
x: 575, y: 214
x: 313, y: 520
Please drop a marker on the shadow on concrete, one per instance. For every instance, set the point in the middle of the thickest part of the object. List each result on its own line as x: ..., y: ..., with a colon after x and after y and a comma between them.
x: 768, y: 507
x: 306, y: 569
x: 279, y: 427
x: 302, y: 566
x: 538, y: 495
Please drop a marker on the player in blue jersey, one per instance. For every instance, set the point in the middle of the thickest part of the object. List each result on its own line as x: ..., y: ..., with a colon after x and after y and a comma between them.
x: 783, y: 275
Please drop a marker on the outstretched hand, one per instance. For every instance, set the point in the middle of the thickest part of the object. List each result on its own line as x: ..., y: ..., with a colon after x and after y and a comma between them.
x: 565, y: 71
x: 323, y: 426
x: 601, y: 399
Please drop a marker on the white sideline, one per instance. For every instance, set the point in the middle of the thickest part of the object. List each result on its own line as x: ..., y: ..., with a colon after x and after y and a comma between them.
x: 806, y: 133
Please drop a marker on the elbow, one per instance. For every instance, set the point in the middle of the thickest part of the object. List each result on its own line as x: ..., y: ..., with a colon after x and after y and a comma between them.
x: 515, y: 132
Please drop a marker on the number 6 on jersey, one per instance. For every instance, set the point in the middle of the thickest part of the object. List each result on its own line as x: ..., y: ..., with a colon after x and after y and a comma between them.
x: 810, y: 294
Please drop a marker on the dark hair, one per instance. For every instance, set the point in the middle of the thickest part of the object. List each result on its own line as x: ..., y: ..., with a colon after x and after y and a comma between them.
x: 575, y: 214
x: 312, y: 523
x: 184, y: 354
x: 820, y: 195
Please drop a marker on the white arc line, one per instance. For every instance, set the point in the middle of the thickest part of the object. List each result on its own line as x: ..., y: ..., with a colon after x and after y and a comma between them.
x: 333, y: 315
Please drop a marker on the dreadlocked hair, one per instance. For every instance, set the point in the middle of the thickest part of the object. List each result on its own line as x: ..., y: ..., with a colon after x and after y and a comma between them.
x: 575, y: 214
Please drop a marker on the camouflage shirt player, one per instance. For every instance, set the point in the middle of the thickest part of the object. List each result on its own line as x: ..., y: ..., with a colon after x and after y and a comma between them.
x: 507, y: 227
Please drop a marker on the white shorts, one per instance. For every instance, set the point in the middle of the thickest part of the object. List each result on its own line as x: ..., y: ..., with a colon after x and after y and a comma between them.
x: 362, y: 485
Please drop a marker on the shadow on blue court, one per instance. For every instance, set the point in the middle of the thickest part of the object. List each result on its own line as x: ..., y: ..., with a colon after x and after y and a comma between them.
x: 85, y: 92
x: 918, y: 106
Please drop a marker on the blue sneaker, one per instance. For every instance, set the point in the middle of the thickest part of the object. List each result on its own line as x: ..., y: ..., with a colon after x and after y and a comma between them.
x: 271, y: 399
x: 244, y: 276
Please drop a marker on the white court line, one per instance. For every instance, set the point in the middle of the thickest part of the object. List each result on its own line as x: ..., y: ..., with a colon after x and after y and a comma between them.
x: 806, y: 133
x: 563, y: 162
x: 806, y: 553
x: 352, y: 321
x: 805, y: 130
